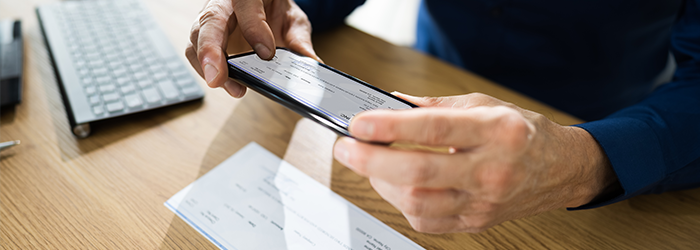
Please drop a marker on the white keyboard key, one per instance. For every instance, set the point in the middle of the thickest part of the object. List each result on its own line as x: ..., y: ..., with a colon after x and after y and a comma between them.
x: 94, y: 59
x: 90, y: 90
x: 119, y: 71
x: 128, y: 88
x: 103, y: 79
x: 108, y: 49
x: 140, y: 74
x: 169, y: 89
x: 132, y: 59
x: 135, y: 66
x: 107, y: 88
x: 174, y: 65
x: 114, y: 59
x: 94, y: 100
x: 156, y: 67
x: 110, y: 97
x: 158, y: 75
x: 83, y: 71
x: 123, y: 80
x: 182, y: 82
x: 98, y: 110
x: 152, y: 59
x: 115, y: 106
x: 145, y: 83
x: 80, y: 63
x: 151, y: 94
x: 133, y: 100
x: 100, y: 70
x: 87, y: 80
x: 181, y: 74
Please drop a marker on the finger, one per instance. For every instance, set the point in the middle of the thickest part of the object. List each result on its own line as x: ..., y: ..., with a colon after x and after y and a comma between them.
x: 234, y: 89
x: 458, y: 101
x: 212, y: 40
x: 401, y: 167
x: 298, y: 36
x: 421, y: 202
x: 463, y: 128
x: 191, y: 54
x: 256, y: 31
x: 191, y: 50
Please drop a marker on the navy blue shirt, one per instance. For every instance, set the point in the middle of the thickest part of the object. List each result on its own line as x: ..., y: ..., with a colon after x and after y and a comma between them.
x: 600, y: 60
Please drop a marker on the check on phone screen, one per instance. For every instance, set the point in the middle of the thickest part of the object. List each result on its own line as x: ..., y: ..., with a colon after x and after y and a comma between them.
x: 311, y: 88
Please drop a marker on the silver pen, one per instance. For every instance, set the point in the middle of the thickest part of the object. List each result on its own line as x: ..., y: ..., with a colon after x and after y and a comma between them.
x: 8, y: 144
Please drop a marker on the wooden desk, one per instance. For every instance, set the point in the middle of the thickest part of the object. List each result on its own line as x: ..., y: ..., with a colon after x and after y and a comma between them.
x: 107, y: 191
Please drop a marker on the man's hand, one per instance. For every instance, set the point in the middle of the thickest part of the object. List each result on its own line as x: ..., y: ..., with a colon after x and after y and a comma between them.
x: 504, y: 162
x: 264, y: 24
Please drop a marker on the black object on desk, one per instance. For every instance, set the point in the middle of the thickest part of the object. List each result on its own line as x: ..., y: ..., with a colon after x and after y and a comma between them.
x: 11, y: 53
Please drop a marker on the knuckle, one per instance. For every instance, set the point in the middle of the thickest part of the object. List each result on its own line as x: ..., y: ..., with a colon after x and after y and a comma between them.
x: 420, y: 174
x: 475, y: 224
x: 478, y: 96
x: 483, y: 206
x: 438, y: 129
x: 190, y: 52
x: 479, y: 99
x: 412, y: 205
x: 516, y: 129
x: 432, y: 101
x: 212, y: 13
x: 297, y: 16
x: 194, y: 32
x: 423, y: 225
x: 496, y: 182
x: 361, y: 161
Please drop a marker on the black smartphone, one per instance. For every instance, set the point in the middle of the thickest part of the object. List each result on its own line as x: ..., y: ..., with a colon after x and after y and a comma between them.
x: 312, y: 89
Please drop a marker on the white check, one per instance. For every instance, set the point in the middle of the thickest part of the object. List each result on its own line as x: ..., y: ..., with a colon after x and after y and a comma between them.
x: 254, y: 200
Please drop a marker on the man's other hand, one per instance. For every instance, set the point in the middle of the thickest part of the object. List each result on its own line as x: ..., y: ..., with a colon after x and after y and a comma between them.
x: 504, y: 162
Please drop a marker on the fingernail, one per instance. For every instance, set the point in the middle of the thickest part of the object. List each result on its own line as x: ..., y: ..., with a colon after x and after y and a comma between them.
x: 363, y: 129
x: 341, y: 153
x: 262, y: 51
x: 210, y: 73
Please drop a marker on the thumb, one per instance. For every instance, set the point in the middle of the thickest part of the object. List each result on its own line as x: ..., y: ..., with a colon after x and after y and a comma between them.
x: 427, y: 101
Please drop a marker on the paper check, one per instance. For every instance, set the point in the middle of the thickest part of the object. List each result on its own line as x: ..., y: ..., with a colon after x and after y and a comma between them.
x: 254, y: 200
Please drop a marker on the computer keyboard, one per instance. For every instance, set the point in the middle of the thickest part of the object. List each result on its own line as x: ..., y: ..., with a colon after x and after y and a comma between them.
x: 112, y: 59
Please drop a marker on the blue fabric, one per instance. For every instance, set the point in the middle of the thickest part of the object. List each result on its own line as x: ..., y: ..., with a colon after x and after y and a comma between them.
x: 325, y: 14
x: 596, y: 59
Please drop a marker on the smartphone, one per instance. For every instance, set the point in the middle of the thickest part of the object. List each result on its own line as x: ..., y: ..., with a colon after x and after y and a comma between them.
x: 312, y: 89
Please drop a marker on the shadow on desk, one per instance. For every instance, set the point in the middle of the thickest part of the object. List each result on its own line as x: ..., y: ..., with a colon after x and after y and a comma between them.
x: 112, y: 130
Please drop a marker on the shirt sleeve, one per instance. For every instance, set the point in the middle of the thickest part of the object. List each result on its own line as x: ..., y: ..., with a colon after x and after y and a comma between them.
x: 654, y: 146
x: 326, y: 14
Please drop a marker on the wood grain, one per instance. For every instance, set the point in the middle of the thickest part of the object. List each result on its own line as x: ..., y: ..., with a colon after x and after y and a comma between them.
x: 107, y: 191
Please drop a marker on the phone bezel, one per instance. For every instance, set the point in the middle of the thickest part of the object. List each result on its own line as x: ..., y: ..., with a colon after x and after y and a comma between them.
x: 290, y: 102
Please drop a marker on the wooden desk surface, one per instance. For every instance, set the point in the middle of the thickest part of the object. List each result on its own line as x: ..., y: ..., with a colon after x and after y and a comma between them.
x: 107, y: 191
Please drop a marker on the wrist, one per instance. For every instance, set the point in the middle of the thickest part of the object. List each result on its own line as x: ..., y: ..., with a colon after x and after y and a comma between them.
x: 595, y: 177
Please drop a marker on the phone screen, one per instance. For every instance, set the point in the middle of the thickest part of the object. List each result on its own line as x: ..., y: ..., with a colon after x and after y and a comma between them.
x: 328, y: 91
